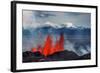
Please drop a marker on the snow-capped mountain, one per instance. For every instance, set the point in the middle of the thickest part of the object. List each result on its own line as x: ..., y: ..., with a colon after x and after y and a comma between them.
x: 55, y: 25
x: 50, y: 24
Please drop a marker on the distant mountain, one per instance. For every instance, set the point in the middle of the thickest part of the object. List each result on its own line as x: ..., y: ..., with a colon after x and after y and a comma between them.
x: 65, y: 30
x: 53, y: 25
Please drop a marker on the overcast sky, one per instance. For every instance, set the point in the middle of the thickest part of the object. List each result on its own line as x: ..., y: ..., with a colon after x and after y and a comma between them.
x: 38, y: 18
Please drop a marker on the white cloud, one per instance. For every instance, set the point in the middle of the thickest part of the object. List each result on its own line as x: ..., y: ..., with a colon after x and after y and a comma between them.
x: 69, y: 24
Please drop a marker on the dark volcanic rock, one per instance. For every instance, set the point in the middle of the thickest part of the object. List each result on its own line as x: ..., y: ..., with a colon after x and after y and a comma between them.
x: 64, y: 55
x: 32, y: 57
x: 58, y: 56
x: 86, y: 56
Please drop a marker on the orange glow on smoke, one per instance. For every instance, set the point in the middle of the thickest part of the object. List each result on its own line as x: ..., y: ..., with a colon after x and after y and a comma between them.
x: 48, y: 48
x: 34, y: 50
x: 39, y: 48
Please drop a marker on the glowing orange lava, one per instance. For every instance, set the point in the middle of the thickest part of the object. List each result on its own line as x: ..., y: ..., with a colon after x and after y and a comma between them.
x: 48, y: 48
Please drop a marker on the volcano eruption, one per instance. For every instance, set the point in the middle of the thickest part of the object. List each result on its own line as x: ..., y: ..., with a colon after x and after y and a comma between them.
x: 48, y: 48
x: 50, y: 52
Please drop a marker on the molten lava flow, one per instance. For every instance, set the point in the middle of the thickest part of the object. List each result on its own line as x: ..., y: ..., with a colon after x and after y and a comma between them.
x: 48, y: 48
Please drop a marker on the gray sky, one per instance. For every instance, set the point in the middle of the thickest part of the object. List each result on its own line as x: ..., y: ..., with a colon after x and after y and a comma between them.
x: 35, y: 18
